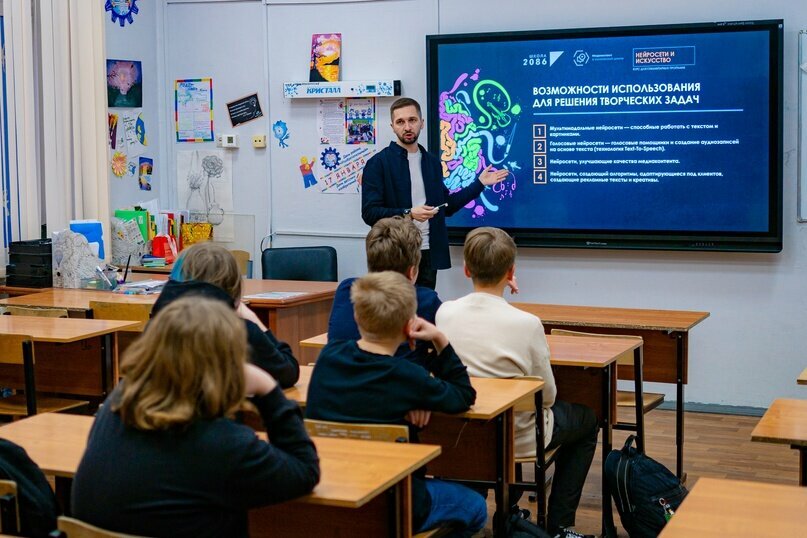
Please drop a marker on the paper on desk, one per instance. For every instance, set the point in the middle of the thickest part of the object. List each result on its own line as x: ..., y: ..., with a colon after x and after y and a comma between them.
x: 146, y: 284
x: 275, y: 295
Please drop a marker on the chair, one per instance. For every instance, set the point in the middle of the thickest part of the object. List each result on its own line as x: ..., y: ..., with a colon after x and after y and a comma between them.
x: 18, y: 349
x: 9, y: 508
x: 642, y: 402
x: 73, y: 528
x: 122, y: 311
x: 394, y: 433
x: 300, y: 263
x: 38, y: 312
x: 542, y: 459
x: 242, y: 258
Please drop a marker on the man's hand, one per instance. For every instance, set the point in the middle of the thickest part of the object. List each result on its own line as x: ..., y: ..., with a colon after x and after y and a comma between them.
x: 420, y: 329
x: 257, y: 381
x: 422, y: 213
x: 418, y: 417
x: 491, y: 178
x: 513, y: 285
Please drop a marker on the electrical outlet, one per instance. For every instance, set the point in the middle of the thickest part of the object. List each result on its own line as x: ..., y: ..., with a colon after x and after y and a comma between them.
x: 218, y: 141
x: 259, y: 141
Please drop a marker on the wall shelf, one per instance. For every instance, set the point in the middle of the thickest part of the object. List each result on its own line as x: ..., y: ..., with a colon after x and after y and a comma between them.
x: 354, y: 88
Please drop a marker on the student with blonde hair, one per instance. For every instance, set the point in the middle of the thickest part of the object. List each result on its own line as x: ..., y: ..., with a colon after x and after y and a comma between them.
x: 496, y: 339
x: 210, y: 270
x: 363, y: 381
x: 392, y: 244
x: 165, y: 458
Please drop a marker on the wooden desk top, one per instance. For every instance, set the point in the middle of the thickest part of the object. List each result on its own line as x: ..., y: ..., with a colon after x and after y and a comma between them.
x: 493, y: 396
x: 75, y: 299
x: 784, y: 422
x: 717, y: 508
x: 801, y: 380
x: 61, y: 330
x: 353, y: 471
x: 584, y: 351
x: 621, y: 318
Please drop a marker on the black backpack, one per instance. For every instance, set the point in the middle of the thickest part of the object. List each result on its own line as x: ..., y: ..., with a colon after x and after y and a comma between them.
x: 645, y: 492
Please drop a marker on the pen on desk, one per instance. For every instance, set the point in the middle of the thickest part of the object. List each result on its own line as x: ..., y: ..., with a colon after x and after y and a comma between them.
x: 126, y: 272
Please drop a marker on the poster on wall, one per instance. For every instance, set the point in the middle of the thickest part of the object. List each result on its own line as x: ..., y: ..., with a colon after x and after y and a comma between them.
x: 341, y: 166
x: 124, y: 83
x: 205, y: 183
x: 129, y: 133
x: 360, y: 125
x: 326, y: 50
x: 244, y: 110
x: 331, y: 121
x: 193, y: 109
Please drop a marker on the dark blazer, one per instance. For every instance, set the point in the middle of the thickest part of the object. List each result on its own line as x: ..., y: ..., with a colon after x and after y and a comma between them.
x: 387, y: 192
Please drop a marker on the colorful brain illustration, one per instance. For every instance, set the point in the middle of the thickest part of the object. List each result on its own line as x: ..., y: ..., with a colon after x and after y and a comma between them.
x: 478, y: 120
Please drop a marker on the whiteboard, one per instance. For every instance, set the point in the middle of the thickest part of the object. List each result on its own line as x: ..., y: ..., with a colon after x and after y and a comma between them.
x: 802, y: 70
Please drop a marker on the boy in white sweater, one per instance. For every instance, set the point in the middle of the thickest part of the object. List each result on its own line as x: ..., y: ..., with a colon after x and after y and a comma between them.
x: 495, y: 339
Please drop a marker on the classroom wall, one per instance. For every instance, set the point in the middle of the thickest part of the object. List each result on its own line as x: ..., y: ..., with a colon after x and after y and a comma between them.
x: 138, y: 41
x: 747, y: 353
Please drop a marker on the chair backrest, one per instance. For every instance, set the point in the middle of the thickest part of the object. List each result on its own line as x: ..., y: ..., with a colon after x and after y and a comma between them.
x: 300, y: 263
x: 625, y: 358
x: 74, y: 528
x: 19, y: 349
x: 36, y: 311
x: 391, y: 433
x: 242, y: 257
x: 9, y: 508
x: 123, y: 312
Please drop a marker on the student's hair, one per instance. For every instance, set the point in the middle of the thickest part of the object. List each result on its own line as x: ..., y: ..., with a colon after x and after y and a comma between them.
x: 489, y: 253
x: 211, y: 263
x: 393, y: 244
x: 382, y: 303
x: 188, y: 365
x: 403, y: 102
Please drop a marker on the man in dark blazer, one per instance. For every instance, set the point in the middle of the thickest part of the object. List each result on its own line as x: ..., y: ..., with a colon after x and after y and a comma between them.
x: 404, y: 179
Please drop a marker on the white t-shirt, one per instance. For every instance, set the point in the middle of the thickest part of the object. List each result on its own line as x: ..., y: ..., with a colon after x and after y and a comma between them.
x: 418, y: 193
x: 495, y: 339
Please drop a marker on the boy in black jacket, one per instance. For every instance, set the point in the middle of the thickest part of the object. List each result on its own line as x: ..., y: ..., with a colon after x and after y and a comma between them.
x: 362, y: 381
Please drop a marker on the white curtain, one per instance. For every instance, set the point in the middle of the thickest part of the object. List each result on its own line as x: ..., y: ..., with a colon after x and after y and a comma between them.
x: 24, y: 172
x: 74, y: 118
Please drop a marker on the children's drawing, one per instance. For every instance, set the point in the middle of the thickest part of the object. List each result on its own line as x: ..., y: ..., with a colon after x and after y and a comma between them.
x: 306, y: 169
x: 113, y: 130
x: 122, y: 10
x: 325, y: 52
x: 281, y: 132
x: 146, y: 168
x: 204, y: 183
x: 124, y: 83
x: 119, y: 164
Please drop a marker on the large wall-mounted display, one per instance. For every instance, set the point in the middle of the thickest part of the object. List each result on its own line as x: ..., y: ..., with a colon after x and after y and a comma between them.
x: 660, y: 137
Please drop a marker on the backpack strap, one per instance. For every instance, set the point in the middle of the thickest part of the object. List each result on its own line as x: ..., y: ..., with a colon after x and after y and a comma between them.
x: 628, y: 444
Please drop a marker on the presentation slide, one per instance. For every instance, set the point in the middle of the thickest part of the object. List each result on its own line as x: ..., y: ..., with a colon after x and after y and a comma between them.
x: 626, y: 133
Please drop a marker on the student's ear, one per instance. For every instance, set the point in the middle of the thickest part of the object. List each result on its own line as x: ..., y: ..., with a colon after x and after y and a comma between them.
x: 511, y: 272
x: 466, y: 270
x: 412, y: 273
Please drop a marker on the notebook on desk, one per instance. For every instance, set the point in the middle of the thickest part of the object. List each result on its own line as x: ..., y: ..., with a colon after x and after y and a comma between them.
x: 275, y: 295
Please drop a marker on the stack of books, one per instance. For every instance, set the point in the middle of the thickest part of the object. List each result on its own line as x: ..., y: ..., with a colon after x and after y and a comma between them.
x: 153, y: 261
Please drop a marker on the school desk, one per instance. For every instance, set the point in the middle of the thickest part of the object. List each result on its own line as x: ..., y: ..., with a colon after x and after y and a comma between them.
x: 67, y: 352
x: 666, y: 343
x: 364, y: 490
x: 718, y: 508
x: 486, y: 431
x: 802, y: 379
x: 290, y: 319
x: 585, y: 373
x: 785, y: 422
